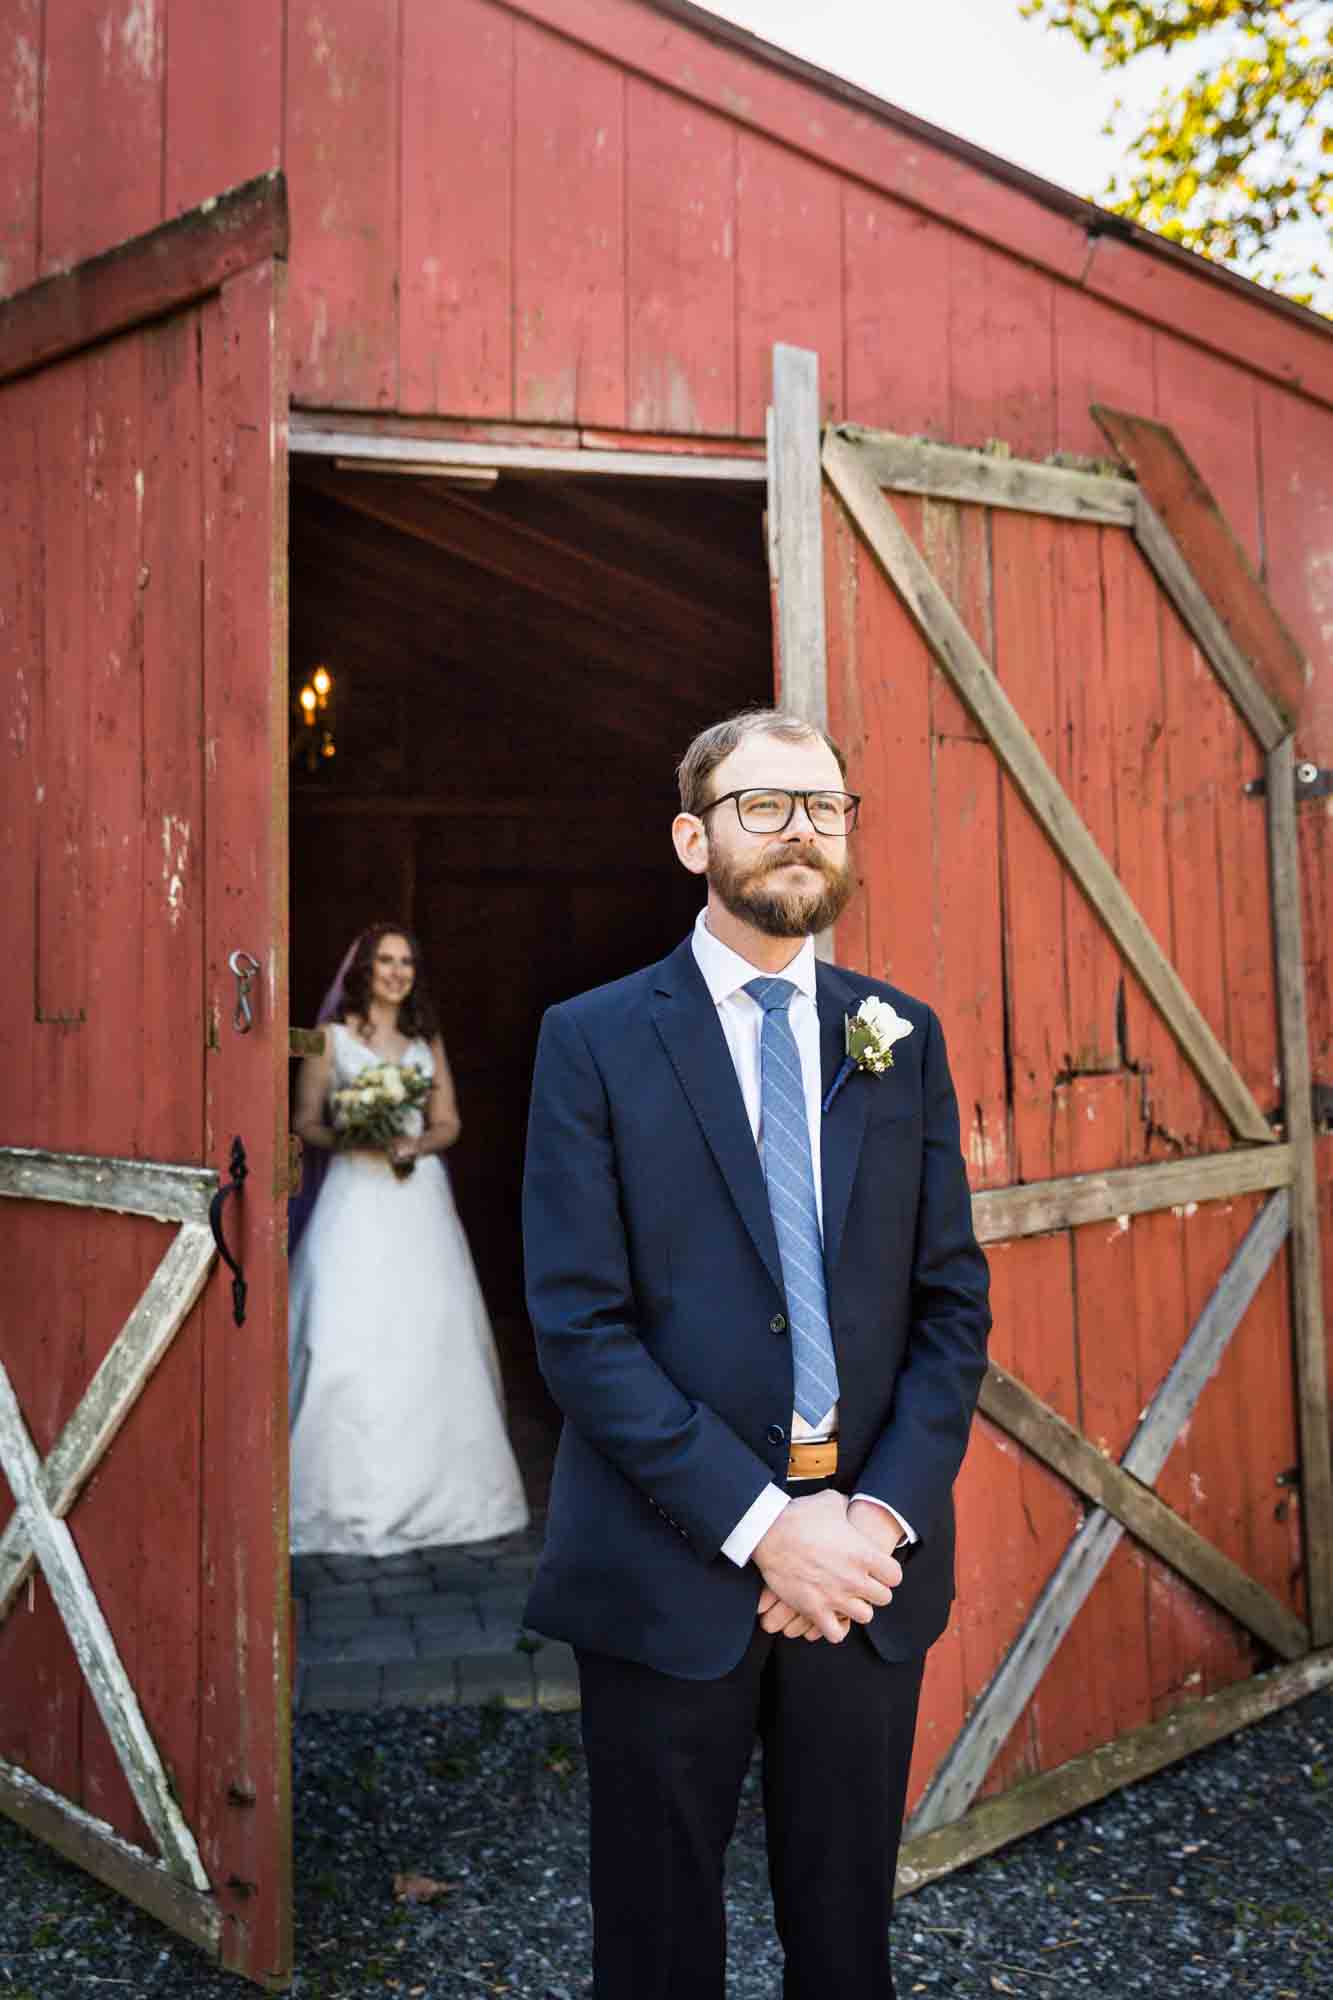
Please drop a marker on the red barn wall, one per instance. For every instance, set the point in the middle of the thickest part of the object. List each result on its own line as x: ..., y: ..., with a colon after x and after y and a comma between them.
x: 593, y: 215
x: 588, y: 213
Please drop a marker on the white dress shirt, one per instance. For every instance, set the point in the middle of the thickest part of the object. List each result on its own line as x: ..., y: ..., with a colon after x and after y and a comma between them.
x: 726, y: 975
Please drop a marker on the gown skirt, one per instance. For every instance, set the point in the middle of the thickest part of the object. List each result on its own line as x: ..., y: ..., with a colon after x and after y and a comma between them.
x: 398, y: 1436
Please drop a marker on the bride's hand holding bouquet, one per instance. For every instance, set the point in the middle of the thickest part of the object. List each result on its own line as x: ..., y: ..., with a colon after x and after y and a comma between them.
x: 377, y: 1110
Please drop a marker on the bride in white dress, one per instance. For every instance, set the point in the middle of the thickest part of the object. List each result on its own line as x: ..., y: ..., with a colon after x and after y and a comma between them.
x: 398, y: 1435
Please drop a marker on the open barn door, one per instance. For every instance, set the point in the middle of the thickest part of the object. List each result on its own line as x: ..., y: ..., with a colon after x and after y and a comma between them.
x: 143, y: 1566
x: 1079, y: 843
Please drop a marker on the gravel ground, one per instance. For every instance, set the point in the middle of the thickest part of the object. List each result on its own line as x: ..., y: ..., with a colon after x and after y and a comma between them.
x: 1214, y: 1878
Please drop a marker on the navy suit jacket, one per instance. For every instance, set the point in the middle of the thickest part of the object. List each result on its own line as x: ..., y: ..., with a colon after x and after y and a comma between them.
x: 655, y: 1291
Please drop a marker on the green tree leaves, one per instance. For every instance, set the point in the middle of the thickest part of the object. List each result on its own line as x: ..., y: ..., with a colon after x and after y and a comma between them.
x: 1238, y: 161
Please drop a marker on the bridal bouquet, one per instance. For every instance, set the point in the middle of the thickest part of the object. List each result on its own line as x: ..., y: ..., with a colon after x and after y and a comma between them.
x: 377, y: 1108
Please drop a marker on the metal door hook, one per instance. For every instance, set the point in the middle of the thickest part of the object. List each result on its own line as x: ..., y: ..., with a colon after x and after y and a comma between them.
x: 239, y: 1168
x: 246, y: 969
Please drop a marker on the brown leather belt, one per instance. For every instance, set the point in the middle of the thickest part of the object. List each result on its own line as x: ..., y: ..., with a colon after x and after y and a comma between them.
x: 816, y: 1459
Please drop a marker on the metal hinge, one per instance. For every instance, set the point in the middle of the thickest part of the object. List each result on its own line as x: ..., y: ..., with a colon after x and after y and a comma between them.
x: 1309, y: 781
x: 1321, y: 1109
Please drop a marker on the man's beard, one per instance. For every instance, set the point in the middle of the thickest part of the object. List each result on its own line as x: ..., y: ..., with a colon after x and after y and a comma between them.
x: 759, y: 896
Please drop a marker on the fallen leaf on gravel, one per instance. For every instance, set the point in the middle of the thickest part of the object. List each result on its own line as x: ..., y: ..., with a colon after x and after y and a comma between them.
x: 999, y: 1985
x: 420, y: 1889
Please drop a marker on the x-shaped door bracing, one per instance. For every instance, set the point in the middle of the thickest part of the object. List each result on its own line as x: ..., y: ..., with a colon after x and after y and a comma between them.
x: 45, y: 1490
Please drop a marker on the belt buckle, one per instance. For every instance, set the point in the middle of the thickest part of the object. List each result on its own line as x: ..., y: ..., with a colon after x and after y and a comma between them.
x: 824, y: 1453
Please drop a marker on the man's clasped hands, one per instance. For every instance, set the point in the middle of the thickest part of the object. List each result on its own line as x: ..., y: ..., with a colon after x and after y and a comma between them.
x: 827, y: 1565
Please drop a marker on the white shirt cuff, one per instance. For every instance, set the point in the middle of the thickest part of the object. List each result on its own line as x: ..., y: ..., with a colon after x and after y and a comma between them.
x: 754, y: 1524
x: 909, y: 1532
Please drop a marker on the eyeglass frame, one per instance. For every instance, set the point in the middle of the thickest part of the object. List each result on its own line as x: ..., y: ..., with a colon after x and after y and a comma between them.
x: 804, y: 797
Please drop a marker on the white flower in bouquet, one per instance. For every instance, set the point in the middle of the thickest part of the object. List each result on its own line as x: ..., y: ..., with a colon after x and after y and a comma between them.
x: 379, y: 1107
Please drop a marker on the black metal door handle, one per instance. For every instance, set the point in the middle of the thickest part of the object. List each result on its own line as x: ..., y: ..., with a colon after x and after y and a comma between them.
x: 239, y: 1170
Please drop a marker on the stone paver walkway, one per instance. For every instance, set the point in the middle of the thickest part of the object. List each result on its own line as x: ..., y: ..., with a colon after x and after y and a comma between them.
x: 436, y: 1626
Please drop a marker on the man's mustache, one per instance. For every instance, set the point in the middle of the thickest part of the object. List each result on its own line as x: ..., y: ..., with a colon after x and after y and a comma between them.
x: 787, y: 857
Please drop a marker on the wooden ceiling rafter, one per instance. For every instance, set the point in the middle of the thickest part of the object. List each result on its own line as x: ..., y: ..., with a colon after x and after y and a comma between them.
x: 523, y: 557
x: 716, y: 542
x: 344, y: 543
x: 384, y: 588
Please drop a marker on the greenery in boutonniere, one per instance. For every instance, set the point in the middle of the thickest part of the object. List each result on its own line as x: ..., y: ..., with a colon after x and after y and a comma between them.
x: 871, y: 1033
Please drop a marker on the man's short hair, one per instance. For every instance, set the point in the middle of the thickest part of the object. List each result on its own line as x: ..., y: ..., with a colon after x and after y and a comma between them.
x: 695, y: 769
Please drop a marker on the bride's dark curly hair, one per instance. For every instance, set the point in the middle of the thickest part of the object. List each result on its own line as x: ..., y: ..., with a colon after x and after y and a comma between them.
x: 417, y: 1016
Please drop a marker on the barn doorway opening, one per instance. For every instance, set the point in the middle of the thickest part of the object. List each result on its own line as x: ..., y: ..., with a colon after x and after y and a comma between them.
x: 515, y: 663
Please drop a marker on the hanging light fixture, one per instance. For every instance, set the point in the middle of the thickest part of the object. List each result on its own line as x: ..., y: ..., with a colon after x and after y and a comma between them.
x: 315, y: 742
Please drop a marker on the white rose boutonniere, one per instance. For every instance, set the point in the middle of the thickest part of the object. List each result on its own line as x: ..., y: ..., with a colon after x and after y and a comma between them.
x: 870, y: 1035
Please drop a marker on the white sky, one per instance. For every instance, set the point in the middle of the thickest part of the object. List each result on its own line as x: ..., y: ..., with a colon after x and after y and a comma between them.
x: 974, y: 66
x: 979, y: 69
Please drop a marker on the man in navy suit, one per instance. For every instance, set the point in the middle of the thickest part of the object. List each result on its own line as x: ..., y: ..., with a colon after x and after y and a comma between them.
x: 760, y: 1305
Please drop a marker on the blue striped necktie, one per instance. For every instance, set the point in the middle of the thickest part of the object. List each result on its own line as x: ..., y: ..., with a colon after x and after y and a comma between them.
x: 789, y: 1172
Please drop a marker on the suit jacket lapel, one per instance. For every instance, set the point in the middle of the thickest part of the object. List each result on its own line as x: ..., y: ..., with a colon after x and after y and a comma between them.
x: 686, y: 1019
x: 845, y: 1120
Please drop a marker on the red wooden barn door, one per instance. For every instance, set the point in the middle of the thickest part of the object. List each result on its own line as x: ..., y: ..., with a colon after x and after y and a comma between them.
x: 143, y: 1571
x: 1079, y: 843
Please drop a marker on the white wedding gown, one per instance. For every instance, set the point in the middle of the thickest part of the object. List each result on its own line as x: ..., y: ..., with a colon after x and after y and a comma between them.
x: 398, y: 1434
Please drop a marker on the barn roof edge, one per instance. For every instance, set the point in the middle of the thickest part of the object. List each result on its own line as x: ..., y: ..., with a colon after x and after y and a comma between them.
x: 1096, y: 222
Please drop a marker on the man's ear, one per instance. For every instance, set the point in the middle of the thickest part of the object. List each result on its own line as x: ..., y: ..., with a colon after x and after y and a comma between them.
x: 689, y: 837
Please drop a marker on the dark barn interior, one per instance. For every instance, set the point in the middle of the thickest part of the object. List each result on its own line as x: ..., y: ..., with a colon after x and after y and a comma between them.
x: 514, y: 669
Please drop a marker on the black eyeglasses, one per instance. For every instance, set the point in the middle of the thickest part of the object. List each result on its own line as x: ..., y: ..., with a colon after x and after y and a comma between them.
x: 768, y: 809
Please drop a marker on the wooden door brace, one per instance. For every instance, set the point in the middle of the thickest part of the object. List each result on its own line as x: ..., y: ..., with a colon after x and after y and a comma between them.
x: 976, y: 683
x: 963, y: 1771
x: 44, y: 1491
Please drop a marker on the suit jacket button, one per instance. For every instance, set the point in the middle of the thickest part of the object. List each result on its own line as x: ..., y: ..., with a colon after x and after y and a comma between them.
x: 778, y: 1323
x: 775, y: 1434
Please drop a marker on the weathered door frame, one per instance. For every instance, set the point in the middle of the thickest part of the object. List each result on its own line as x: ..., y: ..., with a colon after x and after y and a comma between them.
x: 397, y: 445
x: 1240, y: 634
x: 226, y: 1882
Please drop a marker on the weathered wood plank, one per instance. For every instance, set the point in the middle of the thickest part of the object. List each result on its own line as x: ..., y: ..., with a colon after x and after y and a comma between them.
x: 1035, y: 888
x: 1043, y: 1431
x: 789, y: 268
x: 129, y: 1187
x: 111, y: 1395
x: 341, y: 145
x: 96, y: 1848
x: 90, y: 1636
x: 456, y: 191
x: 1211, y: 635
x: 569, y: 310
x: 1086, y: 1779
x: 1046, y: 798
x: 962, y: 1772
x: 245, y: 1727
x: 97, y: 98
x: 680, y: 267
x: 1312, y: 1397
x: 909, y: 465
x: 999, y: 1214
x: 426, y: 451
x: 153, y: 274
x: 20, y: 142
x: 1198, y: 1359
x: 1172, y: 485
x: 795, y: 534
